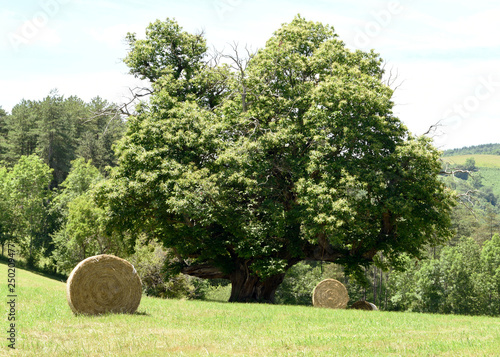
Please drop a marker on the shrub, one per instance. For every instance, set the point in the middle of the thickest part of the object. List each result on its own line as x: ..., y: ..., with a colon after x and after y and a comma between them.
x: 149, y: 260
x: 299, y: 282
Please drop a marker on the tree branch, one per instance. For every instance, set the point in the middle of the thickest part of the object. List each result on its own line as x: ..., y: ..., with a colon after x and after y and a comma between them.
x: 205, y: 271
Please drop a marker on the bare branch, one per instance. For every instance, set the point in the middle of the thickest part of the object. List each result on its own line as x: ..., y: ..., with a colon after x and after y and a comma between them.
x: 433, y: 129
x: 136, y: 94
x: 119, y: 111
x: 240, y: 65
x: 453, y: 172
x: 392, y: 78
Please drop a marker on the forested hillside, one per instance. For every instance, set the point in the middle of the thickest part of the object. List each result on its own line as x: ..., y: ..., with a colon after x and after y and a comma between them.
x: 485, y: 149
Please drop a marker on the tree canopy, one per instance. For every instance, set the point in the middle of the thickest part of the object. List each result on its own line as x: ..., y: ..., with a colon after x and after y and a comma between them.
x: 28, y: 194
x: 244, y: 169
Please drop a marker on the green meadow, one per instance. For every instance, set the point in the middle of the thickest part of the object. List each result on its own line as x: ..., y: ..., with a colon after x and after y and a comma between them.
x: 45, y: 326
x: 489, y: 161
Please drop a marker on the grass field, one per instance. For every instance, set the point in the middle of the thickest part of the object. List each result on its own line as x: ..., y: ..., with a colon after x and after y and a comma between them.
x: 490, y: 161
x: 45, y: 326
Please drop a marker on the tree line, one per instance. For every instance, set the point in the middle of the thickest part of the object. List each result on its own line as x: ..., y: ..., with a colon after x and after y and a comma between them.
x: 59, y: 130
x: 39, y: 142
x: 484, y: 149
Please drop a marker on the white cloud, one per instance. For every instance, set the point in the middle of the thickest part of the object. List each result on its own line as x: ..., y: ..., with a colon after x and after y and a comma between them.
x: 50, y: 37
x: 477, y: 30
x: 456, y: 94
x: 114, y: 36
x: 112, y: 86
x: 412, y: 29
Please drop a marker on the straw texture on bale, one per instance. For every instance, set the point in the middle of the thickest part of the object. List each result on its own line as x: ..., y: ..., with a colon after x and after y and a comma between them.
x: 364, y: 305
x: 104, y: 283
x: 330, y: 293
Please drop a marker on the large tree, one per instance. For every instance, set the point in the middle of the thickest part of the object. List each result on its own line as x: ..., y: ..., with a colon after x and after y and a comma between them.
x: 294, y: 154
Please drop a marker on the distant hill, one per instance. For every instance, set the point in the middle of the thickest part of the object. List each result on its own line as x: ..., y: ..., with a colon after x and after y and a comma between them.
x: 482, y: 160
x: 485, y: 149
x: 487, y: 160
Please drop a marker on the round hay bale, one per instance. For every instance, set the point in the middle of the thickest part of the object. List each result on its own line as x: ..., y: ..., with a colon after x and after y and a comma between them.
x: 364, y: 305
x: 104, y: 283
x: 330, y: 293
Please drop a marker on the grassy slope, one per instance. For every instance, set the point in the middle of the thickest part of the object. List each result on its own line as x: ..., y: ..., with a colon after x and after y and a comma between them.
x: 490, y: 161
x: 46, y: 327
x: 488, y: 165
x: 491, y: 178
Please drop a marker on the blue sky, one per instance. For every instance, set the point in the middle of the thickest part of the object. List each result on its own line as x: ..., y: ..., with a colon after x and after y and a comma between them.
x: 446, y: 53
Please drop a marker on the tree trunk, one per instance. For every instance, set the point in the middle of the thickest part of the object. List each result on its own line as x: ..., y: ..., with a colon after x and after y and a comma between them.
x: 381, y: 287
x: 246, y: 287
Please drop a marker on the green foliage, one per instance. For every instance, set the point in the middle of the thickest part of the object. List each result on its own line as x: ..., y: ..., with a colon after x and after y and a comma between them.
x: 477, y: 215
x: 27, y: 185
x: 213, y: 290
x: 82, y: 176
x: 3, y: 133
x: 463, y: 279
x: 490, y: 276
x: 402, y: 288
x: 82, y: 230
x: 7, y: 225
x: 21, y: 132
x: 470, y: 164
x: 57, y: 130
x: 459, y: 269
x: 149, y: 260
x: 299, y: 283
x: 167, y: 50
x: 294, y: 153
x: 55, y: 143
x: 82, y: 235
x: 490, y: 178
x: 97, y: 134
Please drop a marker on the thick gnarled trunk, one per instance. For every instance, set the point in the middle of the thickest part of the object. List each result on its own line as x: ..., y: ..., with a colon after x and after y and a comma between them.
x: 246, y: 287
